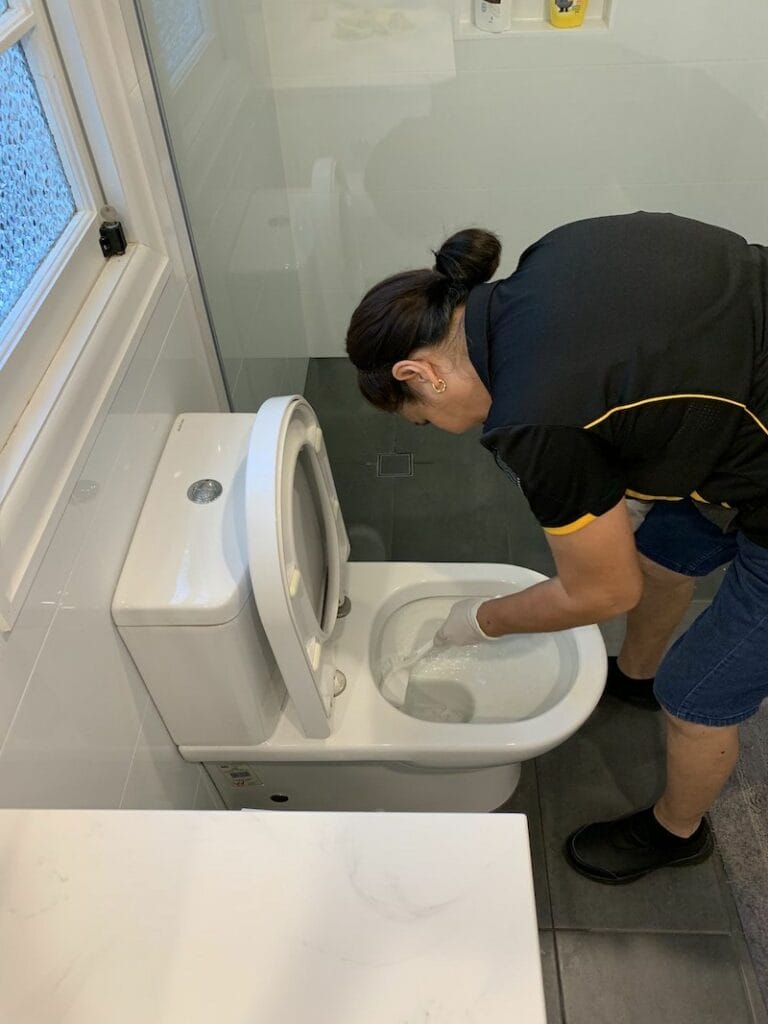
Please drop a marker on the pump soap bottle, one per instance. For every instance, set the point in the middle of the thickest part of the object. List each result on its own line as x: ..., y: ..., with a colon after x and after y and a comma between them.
x: 567, y: 13
x: 493, y: 15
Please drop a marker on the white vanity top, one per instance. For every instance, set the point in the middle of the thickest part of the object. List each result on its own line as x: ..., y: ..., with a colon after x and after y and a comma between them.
x: 155, y: 917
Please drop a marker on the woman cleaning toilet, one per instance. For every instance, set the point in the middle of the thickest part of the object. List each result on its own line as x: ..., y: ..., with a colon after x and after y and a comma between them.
x: 626, y: 356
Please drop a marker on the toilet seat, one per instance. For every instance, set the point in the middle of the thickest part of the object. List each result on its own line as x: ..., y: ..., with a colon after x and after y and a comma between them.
x: 297, y: 551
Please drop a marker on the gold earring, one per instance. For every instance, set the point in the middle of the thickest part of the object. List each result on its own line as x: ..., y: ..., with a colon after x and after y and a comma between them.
x: 440, y: 386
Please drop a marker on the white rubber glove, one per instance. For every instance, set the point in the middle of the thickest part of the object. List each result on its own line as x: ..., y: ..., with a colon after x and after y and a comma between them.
x: 461, y: 627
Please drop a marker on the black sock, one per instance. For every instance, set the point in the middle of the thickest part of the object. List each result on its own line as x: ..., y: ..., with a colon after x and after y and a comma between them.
x: 662, y: 838
x: 633, y: 691
x: 616, y: 675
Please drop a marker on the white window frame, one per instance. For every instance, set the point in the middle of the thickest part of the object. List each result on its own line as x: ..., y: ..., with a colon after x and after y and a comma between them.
x: 35, y: 327
x: 41, y: 460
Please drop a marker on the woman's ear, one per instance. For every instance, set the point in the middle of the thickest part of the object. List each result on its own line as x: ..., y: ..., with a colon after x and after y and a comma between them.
x: 414, y: 370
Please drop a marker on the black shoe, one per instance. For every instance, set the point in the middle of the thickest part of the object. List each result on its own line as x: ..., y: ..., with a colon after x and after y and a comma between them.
x: 637, y: 692
x: 623, y: 850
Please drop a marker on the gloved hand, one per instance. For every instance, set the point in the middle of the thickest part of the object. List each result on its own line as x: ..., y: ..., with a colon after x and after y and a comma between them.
x: 461, y: 627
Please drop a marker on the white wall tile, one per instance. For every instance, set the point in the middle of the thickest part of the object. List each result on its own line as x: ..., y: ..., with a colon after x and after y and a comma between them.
x: 667, y: 109
x: 523, y: 216
x: 158, y: 778
x: 328, y: 316
x: 739, y: 206
x: 181, y: 381
x: 675, y: 32
x: 73, y: 737
x: 206, y: 797
x: 399, y: 229
x: 346, y: 124
x: 20, y: 648
x: 72, y: 702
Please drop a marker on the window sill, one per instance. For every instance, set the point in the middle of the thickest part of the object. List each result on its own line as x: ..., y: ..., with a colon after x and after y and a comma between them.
x: 42, y: 458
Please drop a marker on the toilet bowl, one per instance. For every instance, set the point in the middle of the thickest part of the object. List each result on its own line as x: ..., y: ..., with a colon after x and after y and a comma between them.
x: 264, y: 648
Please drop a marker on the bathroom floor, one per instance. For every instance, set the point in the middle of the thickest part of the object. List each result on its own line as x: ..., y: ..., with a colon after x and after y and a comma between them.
x: 670, y: 947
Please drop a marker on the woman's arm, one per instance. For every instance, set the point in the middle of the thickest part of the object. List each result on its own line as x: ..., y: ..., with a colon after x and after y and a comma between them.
x: 598, y: 578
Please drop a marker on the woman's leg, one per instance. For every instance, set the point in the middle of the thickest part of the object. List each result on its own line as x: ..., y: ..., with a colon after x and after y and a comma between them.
x: 650, y: 625
x: 700, y: 759
x: 711, y: 679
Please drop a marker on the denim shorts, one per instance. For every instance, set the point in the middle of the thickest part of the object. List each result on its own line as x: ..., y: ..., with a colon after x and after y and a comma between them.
x: 716, y: 673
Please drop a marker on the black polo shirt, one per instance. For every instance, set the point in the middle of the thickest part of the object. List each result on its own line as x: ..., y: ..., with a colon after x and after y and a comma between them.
x: 628, y: 355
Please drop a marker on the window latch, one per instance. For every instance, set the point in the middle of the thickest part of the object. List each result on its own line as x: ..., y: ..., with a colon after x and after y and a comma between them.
x: 111, y: 234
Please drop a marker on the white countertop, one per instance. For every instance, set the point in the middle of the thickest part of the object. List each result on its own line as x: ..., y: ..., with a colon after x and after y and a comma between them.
x: 155, y: 917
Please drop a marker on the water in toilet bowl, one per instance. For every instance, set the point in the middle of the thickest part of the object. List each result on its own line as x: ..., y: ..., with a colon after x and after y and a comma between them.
x: 511, y: 679
x: 396, y: 673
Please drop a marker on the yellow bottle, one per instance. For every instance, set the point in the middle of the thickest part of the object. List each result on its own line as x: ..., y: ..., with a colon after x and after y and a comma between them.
x: 567, y: 13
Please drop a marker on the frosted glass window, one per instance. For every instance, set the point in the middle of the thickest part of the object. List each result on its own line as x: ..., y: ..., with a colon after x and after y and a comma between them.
x: 36, y: 202
x: 180, y: 25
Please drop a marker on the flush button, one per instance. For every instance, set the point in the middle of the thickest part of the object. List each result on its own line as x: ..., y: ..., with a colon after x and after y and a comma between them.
x: 202, y: 492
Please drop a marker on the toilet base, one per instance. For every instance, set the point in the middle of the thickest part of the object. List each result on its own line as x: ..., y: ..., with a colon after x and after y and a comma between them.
x: 312, y: 786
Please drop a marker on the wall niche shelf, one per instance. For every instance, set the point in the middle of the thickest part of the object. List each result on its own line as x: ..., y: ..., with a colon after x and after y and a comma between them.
x: 529, y: 17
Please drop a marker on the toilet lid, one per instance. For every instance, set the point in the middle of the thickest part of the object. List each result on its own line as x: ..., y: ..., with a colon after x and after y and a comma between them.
x: 297, y: 550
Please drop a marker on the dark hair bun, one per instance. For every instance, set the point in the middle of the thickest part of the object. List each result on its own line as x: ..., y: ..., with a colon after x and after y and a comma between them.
x: 469, y: 257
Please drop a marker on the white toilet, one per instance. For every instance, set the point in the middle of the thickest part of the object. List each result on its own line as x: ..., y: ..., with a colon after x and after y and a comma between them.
x: 264, y: 648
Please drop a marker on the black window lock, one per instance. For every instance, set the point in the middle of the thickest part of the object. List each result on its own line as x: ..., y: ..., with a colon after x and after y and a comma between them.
x: 111, y: 234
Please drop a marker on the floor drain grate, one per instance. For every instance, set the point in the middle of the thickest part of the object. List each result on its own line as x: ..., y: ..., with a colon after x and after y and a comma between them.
x: 394, y: 464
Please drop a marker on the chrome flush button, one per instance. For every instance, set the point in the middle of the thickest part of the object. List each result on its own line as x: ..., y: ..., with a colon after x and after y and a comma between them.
x: 202, y: 492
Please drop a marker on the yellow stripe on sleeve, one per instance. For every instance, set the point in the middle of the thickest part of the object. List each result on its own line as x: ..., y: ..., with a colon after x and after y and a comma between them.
x: 650, y: 497
x: 697, y: 497
x: 577, y: 524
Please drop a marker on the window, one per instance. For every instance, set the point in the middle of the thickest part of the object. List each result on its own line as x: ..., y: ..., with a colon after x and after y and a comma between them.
x: 49, y: 197
x: 36, y: 202
x: 71, y: 321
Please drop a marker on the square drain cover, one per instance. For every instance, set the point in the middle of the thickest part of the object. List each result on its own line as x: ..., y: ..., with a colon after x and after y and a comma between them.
x: 394, y: 464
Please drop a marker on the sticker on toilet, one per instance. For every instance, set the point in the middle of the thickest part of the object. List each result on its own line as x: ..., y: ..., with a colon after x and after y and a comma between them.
x: 241, y: 775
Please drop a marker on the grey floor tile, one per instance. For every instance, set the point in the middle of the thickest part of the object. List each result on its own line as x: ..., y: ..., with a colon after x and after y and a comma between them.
x: 612, y: 766
x: 452, y: 514
x: 525, y: 800
x: 650, y: 979
x: 332, y: 383
x: 551, y: 978
x: 740, y: 821
x: 352, y: 428
x: 367, y: 504
x: 749, y: 940
x: 429, y: 444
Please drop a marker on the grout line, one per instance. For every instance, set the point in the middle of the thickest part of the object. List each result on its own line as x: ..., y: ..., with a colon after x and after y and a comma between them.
x: 639, y: 930
x: 750, y: 981
x: 139, y: 734
x: 660, y: 62
x: 552, y: 928
x: 518, y: 191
